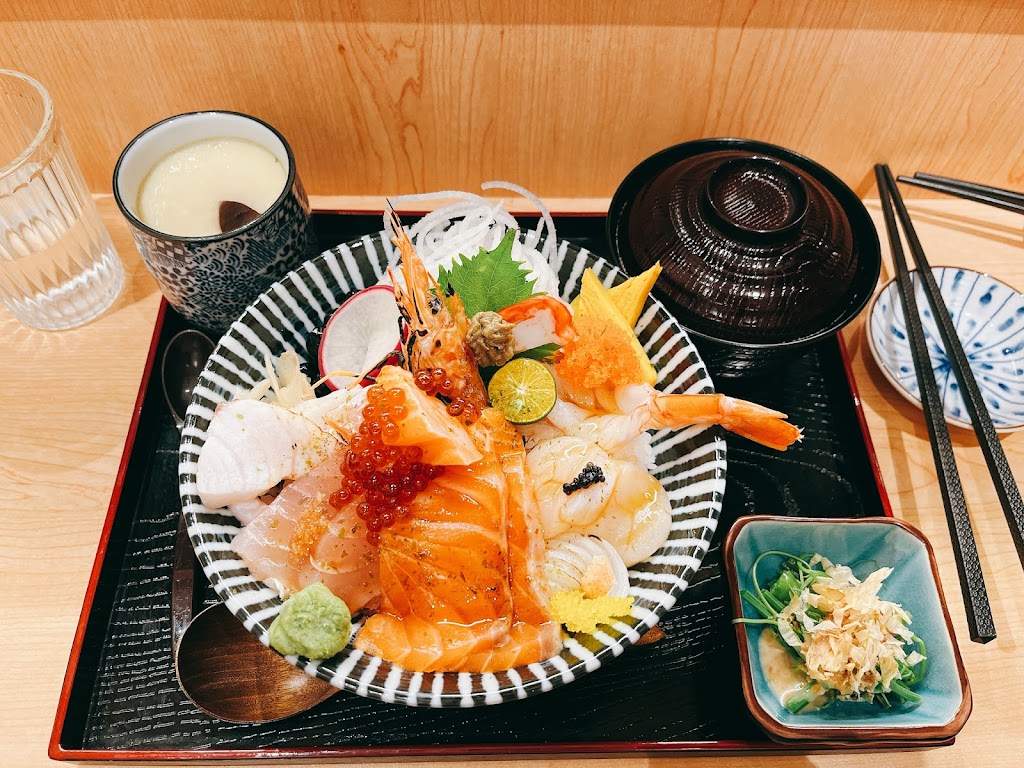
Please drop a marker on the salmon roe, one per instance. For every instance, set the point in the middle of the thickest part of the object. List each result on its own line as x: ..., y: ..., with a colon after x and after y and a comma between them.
x: 382, y: 479
x: 434, y: 381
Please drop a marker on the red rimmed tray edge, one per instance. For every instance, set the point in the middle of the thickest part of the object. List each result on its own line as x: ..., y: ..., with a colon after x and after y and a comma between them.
x: 862, y: 419
x: 57, y: 752
x: 594, y: 749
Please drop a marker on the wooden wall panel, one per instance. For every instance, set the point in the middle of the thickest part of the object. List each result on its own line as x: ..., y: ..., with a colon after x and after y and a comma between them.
x: 390, y: 97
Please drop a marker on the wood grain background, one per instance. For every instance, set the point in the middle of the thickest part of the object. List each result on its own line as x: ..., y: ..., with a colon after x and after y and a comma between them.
x: 394, y: 96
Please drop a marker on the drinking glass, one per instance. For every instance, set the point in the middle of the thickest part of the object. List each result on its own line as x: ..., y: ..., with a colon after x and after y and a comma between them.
x: 58, y: 268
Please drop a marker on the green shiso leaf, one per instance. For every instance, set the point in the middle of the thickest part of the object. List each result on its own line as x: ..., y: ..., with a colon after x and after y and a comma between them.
x: 489, y: 281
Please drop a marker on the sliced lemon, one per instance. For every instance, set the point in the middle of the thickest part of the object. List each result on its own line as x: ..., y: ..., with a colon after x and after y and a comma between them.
x: 523, y: 390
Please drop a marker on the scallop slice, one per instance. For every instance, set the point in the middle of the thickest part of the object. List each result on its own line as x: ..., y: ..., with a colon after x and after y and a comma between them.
x: 587, y: 563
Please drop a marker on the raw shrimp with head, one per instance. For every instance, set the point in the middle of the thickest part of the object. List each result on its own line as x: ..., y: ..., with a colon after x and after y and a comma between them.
x: 437, y: 330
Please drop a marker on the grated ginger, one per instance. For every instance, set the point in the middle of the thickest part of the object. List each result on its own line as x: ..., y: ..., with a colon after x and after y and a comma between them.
x: 285, y: 383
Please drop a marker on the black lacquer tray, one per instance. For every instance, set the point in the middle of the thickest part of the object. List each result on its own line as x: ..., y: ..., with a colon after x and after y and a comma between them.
x: 121, y: 700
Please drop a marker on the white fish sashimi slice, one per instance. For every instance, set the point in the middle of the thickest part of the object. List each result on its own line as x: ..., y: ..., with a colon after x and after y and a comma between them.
x: 245, y: 511
x: 341, y: 411
x: 339, y: 555
x: 251, y: 446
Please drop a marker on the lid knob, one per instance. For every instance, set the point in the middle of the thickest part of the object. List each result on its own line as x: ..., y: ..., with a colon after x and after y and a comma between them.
x: 755, y: 199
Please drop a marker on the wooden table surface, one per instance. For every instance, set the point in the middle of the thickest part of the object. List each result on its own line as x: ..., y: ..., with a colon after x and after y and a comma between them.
x: 67, y: 403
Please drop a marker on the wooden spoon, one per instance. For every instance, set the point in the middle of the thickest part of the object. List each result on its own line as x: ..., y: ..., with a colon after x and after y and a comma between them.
x: 234, y: 215
x: 230, y: 675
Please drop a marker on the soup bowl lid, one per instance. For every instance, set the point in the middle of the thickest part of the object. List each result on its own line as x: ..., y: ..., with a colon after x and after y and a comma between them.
x: 759, y: 246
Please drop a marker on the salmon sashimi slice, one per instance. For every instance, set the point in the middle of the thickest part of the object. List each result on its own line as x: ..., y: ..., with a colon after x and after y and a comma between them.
x: 524, y: 644
x: 300, y: 539
x: 422, y: 646
x: 426, y: 424
x: 533, y: 636
x: 526, y: 546
x: 445, y: 591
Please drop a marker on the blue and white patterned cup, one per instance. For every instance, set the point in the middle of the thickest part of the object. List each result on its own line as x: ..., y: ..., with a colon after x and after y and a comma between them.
x: 212, y: 279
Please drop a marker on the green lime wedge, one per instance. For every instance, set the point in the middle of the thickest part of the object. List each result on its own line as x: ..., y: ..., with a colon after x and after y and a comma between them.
x: 523, y: 390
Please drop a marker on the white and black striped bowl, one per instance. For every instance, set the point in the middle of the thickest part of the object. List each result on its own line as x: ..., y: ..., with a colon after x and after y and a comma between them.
x: 691, y: 465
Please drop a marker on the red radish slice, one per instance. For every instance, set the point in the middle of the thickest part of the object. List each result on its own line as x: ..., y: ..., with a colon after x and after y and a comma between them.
x: 362, y: 335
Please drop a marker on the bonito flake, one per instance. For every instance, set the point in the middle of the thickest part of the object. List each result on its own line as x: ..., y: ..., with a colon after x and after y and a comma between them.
x: 860, y: 640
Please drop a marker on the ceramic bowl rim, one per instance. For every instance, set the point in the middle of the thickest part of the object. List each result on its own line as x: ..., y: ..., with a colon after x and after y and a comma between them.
x: 876, y: 355
x: 849, y: 734
x: 367, y: 681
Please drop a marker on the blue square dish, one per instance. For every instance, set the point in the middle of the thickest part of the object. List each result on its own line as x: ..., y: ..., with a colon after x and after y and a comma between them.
x: 863, y: 544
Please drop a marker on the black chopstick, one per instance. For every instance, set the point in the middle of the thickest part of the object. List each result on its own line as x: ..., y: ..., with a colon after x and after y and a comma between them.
x: 979, y: 193
x: 988, y: 440
x: 985, y: 189
x: 972, y: 580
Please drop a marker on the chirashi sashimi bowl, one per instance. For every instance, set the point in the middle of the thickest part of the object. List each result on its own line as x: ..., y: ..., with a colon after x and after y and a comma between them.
x: 484, y: 492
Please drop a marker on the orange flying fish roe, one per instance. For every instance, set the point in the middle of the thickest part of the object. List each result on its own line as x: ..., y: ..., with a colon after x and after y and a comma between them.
x: 309, y: 529
x: 598, y: 357
x: 605, y: 352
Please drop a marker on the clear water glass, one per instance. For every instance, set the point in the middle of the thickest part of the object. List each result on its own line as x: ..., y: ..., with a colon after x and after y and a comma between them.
x: 58, y: 268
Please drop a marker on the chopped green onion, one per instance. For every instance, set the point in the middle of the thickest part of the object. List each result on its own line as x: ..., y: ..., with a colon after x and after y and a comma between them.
x: 800, y: 698
x: 903, y: 692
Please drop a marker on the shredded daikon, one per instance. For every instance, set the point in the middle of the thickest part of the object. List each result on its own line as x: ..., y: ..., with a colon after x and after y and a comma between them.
x: 545, y: 217
x: 469, y: 222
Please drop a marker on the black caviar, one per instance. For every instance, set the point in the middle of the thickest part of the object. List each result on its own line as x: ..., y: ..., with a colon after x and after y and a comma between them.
x: 589, y: 475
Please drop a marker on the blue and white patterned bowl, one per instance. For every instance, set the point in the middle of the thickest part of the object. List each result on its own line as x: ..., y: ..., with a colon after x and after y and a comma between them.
x: 691, y: 465
x: 989, y: 319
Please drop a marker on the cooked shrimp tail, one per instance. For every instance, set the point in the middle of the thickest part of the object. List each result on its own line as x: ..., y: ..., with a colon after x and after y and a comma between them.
x: 750, y: 420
